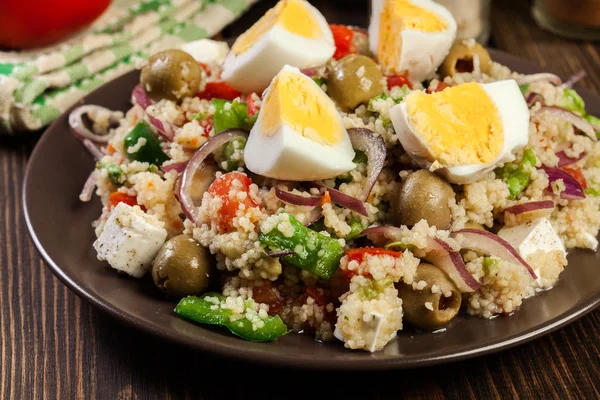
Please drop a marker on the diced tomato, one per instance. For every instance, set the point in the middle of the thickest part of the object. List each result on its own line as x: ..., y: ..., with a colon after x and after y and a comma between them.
x: 221, y: 187
x: 326, y: 198
x: 577, y: 174
x: 110, y: 149
x: 269, y: 295
x: 218, y: 90
x: 206, y: 68
x: 252, y: 109
x: 342, y: 35
x: 319, y: 298
x: 398, y: 80
x: 441, y: 86
x: 360, y: 253
x: 118, y: 197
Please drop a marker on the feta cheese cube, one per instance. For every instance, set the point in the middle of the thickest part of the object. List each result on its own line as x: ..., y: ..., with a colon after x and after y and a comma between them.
x: 207, y: 51
x: 532, y: 236
x: 130, y: 240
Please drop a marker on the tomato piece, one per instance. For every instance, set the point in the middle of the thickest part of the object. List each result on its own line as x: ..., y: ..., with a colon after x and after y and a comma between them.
x: 252, y: 108
x: 319, y: 298
x: 398, y: 80
x: 269, y: 295
x: 360, y: 253
x: 118, y: 197
x: 342, y: 35
x: 441, y: 86
x: 205, y: 67
x: 218, y: 90
x: 221, y: 187
x: 577, y: 174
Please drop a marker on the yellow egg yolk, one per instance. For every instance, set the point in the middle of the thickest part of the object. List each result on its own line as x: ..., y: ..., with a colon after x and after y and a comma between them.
x: 291, y: 15
x: 460, y: 125
x: 299, y: 103
x: 397, y: 16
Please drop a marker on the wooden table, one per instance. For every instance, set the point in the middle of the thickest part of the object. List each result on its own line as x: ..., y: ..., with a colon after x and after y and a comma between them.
x: 54, y: 345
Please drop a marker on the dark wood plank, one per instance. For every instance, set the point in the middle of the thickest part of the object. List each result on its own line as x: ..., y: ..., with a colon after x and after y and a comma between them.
x: 54, y: 345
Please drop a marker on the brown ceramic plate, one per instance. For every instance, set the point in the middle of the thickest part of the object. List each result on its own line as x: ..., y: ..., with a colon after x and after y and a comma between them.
x: 60, y: 226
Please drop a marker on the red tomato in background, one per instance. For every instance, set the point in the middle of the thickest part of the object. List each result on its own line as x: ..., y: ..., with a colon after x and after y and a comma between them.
x: 26, y: 24
x: 398, y: 80
x: 342, y: 35
x: 218, y: 90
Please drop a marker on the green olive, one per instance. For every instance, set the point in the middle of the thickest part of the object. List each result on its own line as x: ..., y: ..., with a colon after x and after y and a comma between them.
x: 182, y: 267
x: 429, y: 308
x: 423, y: 195
x: 354, y: 80
x: 460, y: 59
x: 172, y: 75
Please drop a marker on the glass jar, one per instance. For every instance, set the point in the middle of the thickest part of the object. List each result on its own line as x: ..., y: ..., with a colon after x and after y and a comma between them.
x: 473, y: 18
x: 578, y: 19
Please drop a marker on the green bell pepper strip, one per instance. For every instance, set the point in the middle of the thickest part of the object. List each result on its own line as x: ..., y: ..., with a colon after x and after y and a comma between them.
x: 115, y: 173
x: 200, y: 310
x: 314, y: 252
x: 524, y: 88
x: 515, y: 175
x: 356, y: 229
x: 489, y: 264
x: 150, y: 152
x: 374, y: 288
x: 359, y: 158
x: 574, y: 102
x: 231, y: 114
x: 232, y: 153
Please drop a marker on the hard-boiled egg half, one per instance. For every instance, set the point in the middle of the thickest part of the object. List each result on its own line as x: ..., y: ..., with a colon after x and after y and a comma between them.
x: 293, y: 33
x: 410, y: 37
x: 299, y: 134
x: 465, y: 130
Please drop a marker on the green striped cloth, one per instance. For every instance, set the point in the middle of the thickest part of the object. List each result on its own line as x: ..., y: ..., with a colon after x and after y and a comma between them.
x: 36, y: 88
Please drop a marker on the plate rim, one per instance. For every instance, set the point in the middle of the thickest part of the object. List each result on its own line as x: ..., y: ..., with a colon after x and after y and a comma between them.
x: 267, y: 359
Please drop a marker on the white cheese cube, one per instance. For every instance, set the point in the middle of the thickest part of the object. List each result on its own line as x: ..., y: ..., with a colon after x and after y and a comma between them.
x: 130, y: 240
x: 207, y: 51
x: 532, y: 236
x: 370, y: 328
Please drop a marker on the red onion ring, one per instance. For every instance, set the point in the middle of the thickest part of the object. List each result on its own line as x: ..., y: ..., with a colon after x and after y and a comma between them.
x: 310, y: 72
x: 573, y: 190
x: 576, y: 120
x: 178, y: 166
x: 564, y: 160
x: 531, y: 210
x: 296, y: 199
x: 489, y: 243
x: 88, y: 187
x: 440, y: 254
x: 381, y: 235
x: 79, y: 129
x: 533, y: 98
x: 374, y: 148
x: 574, y: 79
x: 343, y: 200
x: 141, y: 97
x: 94, y: 150
x: 545, y: 76
x: 314, y: 215
x: 195, y: 163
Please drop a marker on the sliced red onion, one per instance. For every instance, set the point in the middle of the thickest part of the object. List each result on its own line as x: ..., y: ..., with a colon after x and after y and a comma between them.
x: 573, y: 190
x: 564, y: 160
x: 382, y: 235
x: 177, y: 187
x: 178, y: 166
x: 576, y: 120
x: 532, y: 209
x: 574, y: 79
x: 373, y: 146
x: 93, y: 149
x: 533, y: 98
x: 195, y: 163
x: 165, y: 129
x: 441, y: 255
x: 141, y: 97
x: 349, y: 202
x: 491, y: 244
x: 280, y: 253
x: 313, y: 216
x: 545, y: 76
x: 82, y: 132
x: 88, y: 187
x: 296, y: 199
x: 310, y: 72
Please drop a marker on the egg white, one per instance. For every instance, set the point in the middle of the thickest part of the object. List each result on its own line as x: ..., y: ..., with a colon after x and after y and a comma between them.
x: 422, y: 52
x: 253, y: 70
x: 514, y: 114
x: 288, y: 155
